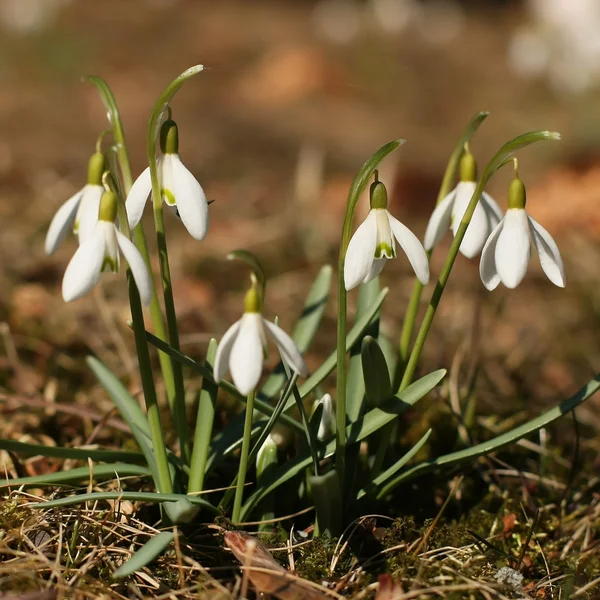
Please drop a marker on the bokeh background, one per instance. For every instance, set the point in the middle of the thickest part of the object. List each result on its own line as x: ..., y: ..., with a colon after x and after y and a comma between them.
x: 296, y: 95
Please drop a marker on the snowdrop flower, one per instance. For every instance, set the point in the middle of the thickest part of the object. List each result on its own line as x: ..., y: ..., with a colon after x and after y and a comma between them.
x: 327, y: 425
x: 449, y: 212
x: 180, y: 190
x: 506, y: 254
x: 373, y: 243
x: 242, y: 348
x: 80, y: 212
x: 99, y: 252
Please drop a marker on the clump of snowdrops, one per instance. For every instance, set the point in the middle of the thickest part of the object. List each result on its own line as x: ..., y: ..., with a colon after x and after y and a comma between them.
x: 343, y: 458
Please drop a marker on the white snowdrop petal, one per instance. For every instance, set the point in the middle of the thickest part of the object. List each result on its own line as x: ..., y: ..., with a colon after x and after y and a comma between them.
x: 62, y: 223
x: 513, y: 248
x: 478, y: 229
x: 549, y: 254
x: 84, y: 270
x: 223, y: 354
x: 439, y: 222
x: 492, y: 209
x: 487, y: 266
x: 464, y: 193
x: 287, y: 348
x: 361, y: 252
x: 87, y: 214
x: 190, y: 198
x: 138, y: 267
x: 413, y: 249
x: 246, y: 359
x: 376, y: 268
x: 137, y: 198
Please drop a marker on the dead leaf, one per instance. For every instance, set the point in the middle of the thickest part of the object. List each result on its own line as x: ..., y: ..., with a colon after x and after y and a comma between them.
x: 388, y: 589
x: 266, y: 574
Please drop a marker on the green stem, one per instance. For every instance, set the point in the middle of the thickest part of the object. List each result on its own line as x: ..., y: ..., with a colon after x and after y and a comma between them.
x: 410, y: 318
x: 164, y: 484
x: 497, y: 161
x: 358, y: 185
x: 139, y: 237
x: 241, y: 478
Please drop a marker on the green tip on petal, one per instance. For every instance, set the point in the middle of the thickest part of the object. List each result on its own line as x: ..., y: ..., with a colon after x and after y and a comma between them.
x: 517, y: 195
x: 96, y: 169
x: 108, y: 207
x: 378, y: 195
x: 252, y: 300
x: 468, y: 167
x: 169, y: 137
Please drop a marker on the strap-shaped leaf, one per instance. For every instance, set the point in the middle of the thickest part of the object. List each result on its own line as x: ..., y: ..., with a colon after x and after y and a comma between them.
x: 152, y: 497
x: 128, y: 408
x: 155, y: 546
x: 305, y: 328
x: 392, y: 470
x: 355, y: 334
x: 377, y: 382
x: 499, y: 441
x: 71, y: 453
x: 78, y: 475
x: 355, y: 432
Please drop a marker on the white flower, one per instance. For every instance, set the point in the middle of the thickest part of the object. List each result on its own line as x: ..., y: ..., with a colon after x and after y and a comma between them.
x: 99, y: 252
x: 449, y: 213
x: 373, y: 243
x: 327, y: 425
x: 242, y: 348
x: 80, y: 212
x: 180, y: 190
x: 505, y: 256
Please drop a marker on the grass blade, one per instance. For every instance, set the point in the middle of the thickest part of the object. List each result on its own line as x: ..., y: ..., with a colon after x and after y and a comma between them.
x: 153, y: 548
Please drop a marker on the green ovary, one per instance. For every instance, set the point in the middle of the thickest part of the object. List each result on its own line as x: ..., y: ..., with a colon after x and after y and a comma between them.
x: 384, y: 250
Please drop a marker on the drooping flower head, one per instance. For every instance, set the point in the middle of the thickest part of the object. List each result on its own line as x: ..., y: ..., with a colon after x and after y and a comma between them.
x: 80, y: 212
x: 242, y: 348
x: 506, y: 254
x: 449, y: 212
x: 99, y: 252
x: 180, y: 190
x: 374, y: 242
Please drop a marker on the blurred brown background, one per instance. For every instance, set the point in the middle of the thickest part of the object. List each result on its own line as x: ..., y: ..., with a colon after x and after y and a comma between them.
x: 296, y: 95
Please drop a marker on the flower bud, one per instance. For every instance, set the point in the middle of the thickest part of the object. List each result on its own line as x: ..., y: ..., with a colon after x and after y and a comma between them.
x: 108, y: 207
x: 96, y: 169
x: 517, y: 195
x: 169, y: 137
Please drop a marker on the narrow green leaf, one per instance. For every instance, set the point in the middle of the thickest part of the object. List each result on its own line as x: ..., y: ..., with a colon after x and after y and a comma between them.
x: 71, y: 453
x: 377, y: 382
x: 305, y: 328
x: 259, y: 405
x: 204, y: 424
x: 502, y: 440
x: 79, y: 474
x: 326, y: 495
x: 356, y: 432
x: 393, y: 469
x: 128, y: 408
x: 154, y: 547
x: 151, y: 497
x: 355, y: 387
x: 355, y: 334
